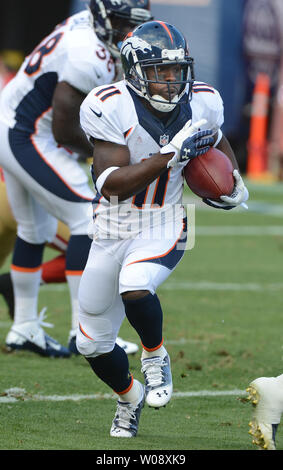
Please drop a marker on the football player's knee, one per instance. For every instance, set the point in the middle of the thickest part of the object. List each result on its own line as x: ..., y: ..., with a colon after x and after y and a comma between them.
x: 94, y: 336
x: 95, y: 293
x: 38, y: 233
x: 136, y: 278
x: 81, y: 227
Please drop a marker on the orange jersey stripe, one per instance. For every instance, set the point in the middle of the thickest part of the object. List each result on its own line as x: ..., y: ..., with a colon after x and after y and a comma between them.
x: 134, y: 198
x: 160, y: 256
x: 84, y: 333
x: 47, y: 162
x: 165, y: 190
x: 128, y: 132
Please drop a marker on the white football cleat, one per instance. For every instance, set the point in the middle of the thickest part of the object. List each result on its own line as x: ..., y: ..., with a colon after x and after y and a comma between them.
x: 266, y: 395
x: 158, y: 380
x: 30, y: 336
x: 129, y: 348
x: 126, y: 419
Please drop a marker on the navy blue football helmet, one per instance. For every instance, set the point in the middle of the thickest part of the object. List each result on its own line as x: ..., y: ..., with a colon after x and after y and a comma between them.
x: 113, y: 19
x: 157, y: 45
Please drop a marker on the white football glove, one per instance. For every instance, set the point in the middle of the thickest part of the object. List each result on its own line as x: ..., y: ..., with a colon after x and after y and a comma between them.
x: 238, y: 197
x: 188, y: 143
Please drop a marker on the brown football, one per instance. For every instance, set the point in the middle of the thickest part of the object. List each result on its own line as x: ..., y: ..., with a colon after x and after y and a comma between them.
x: 210, y: 175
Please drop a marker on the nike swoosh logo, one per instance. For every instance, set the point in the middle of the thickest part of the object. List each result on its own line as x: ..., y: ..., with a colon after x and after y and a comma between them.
x: 97, y: 114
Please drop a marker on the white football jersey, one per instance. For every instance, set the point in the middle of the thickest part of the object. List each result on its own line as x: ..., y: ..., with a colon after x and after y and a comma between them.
x: 114, y: 113
x: 71, y: 53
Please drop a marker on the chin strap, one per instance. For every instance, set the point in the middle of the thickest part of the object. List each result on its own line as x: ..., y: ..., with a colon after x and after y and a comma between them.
x: 159, y: 103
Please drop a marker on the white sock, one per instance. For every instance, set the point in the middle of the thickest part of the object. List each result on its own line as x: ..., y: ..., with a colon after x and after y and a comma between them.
x: 26, y: 287
x: 73, y: 283
x: 134, y: 394
x: 158, y: 352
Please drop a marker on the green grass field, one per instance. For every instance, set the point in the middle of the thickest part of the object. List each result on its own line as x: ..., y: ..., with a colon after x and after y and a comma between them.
x: 222, y: 328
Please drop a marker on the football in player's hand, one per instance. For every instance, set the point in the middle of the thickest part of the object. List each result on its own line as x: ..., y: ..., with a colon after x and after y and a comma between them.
x: 210, y: 175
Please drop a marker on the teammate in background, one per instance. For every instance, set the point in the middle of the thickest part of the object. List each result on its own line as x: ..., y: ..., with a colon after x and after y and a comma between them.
x: 144, y: 129
x: 52, y: 271
x: 41, y: 139
x: 266, y: 394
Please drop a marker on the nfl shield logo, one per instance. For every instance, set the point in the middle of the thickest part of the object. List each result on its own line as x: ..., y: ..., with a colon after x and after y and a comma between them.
x: 164, y: 139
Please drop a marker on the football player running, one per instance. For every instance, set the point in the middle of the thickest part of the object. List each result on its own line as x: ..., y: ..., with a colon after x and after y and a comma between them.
x: 52, y: 271
x: 144, y: 128
x: 41, y: 139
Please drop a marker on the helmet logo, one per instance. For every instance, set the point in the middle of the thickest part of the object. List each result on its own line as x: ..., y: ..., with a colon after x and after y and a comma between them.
x: 134, y: 43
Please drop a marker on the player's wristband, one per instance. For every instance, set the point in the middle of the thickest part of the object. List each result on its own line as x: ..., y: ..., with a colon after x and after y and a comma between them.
x: 101, y: 179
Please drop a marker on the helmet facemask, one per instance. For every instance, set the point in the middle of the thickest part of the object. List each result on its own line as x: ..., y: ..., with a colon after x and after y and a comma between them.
x: 139, y: 81
x: 157, y: 65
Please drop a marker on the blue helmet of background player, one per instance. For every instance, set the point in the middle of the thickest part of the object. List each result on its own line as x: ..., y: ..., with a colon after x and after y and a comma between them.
x: 113, y: 19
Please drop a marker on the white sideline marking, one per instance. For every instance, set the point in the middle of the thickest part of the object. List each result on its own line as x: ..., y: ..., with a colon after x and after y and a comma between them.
x: 221, y: 286
x: 16, y: 395
x: 201, y: 285
x: 239, y: 231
